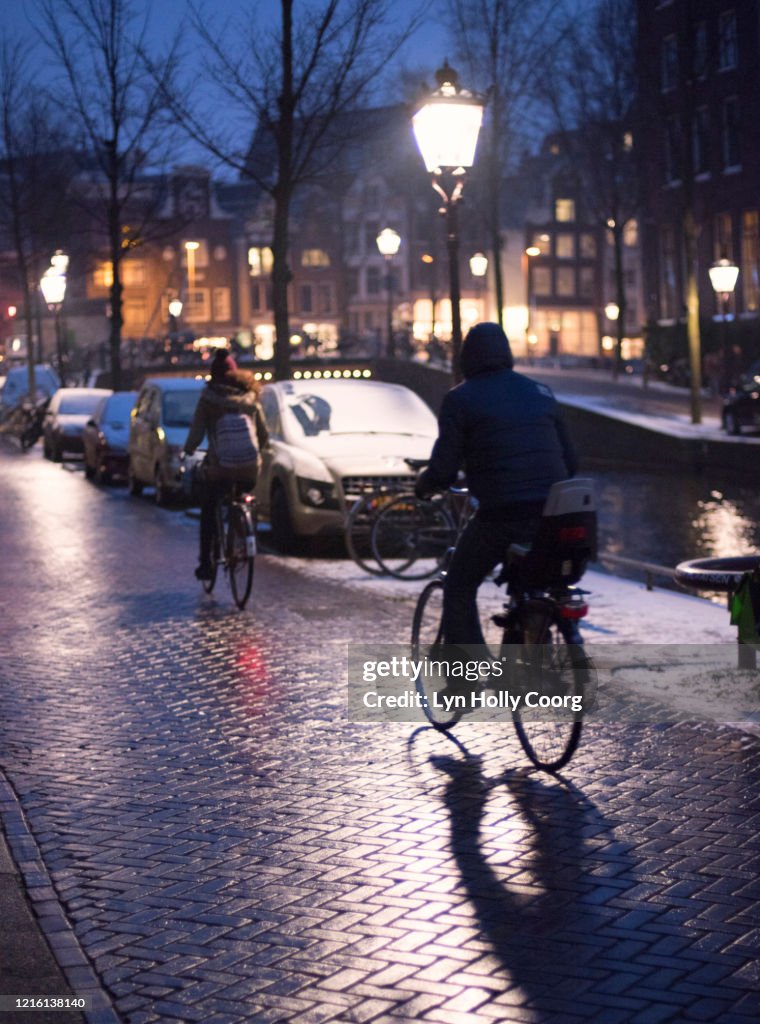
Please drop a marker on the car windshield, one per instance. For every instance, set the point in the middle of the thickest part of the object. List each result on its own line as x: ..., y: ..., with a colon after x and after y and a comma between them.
x: 118, y: 407
x: 348, y: 410
x: 178, y: 407
x: 79, y: 405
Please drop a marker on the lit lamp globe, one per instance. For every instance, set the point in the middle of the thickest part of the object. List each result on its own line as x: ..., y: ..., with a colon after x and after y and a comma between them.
x: 612, y: 311
x: 388, y: 242
x: 447, y: 125
x: 175, y: 308
x: 53, y: 287
x: 478, y: 264
x: 723, y: 274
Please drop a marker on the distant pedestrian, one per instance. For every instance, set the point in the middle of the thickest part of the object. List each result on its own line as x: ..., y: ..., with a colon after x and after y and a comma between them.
x: 230, y: 391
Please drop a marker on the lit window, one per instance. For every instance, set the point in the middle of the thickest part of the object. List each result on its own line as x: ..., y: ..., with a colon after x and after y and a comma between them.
x: 197, y: 308
x: 565, y: 246
x: 587, y: 246
x: 541, y: 281
x: 133, y: 273
x: 565, y: 281
x: 314, y: 258
x: 260, y: 261
x: 586, y: 280
x: 222, y: 304
x: 631, y: 232
x: 564, y: 210
x: 750, y: 268
x: 103, y: 275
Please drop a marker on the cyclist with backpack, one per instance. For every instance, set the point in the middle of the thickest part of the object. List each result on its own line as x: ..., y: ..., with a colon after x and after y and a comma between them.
x: 229, y: 414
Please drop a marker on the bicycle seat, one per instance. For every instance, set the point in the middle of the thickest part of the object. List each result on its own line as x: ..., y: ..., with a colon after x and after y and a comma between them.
x: 564, y: 544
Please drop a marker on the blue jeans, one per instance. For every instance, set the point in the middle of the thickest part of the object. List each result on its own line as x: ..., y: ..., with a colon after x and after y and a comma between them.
x: 482, y: 546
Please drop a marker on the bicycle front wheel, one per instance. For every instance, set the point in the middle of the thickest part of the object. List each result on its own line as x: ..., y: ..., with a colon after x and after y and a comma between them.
x: 358, y: 530
x: 426, y: 640
x: 241, y: 543
x: 552, y: 678
x: 410, y: 537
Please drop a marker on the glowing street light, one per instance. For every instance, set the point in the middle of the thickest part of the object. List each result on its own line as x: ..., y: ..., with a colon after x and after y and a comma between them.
x: 723, y: 276
x: 446, y: 127
x: 53, y: 288
x: 388, y: 243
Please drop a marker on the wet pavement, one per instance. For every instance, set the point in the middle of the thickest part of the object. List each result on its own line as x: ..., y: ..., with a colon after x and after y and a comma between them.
x: 207, y: 838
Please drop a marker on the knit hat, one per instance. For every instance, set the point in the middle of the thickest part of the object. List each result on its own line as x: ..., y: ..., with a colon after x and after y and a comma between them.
x: 222, y: 365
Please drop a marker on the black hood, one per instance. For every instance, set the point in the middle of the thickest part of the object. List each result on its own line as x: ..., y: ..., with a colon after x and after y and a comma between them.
x: 484, y: 350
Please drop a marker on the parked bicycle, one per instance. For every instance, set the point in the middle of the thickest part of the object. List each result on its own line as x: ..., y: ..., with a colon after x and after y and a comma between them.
x: 25, y: 421
x: 359, y: 522
x: 541, y: 643
x: 233, y: 547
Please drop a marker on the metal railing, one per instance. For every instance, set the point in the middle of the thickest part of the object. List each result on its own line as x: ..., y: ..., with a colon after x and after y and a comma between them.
x: 650, y: 570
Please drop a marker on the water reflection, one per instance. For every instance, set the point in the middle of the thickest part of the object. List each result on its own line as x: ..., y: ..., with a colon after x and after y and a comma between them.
x: 668, y: 518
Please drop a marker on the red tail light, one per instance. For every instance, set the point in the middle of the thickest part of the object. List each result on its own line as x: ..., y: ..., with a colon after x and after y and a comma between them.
x: 571, y: 533
x: 573, y: 610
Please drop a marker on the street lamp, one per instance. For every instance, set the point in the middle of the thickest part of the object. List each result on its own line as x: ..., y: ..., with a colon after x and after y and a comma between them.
x: 723, y: 274
x: 446, y: 129
x: 388, y: 242
x: 530, y: 338
x: 190, y: 250
x: 53, y: 288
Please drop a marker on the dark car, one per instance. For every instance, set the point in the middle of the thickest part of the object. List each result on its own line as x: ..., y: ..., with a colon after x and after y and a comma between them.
x: 742, y: 409
x: 105, y: 437
x: 65, y: 419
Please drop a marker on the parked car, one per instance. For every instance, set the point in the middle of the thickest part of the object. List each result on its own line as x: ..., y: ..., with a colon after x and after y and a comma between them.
x: 65, y: 420
x: 328, y: 438
x: 105, y: 437
x: 742, y: 408
x: 158, y: 429
x: 16, y: 385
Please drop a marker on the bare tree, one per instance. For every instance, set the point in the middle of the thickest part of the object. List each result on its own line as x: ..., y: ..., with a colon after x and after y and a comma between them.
x: 592, y: 90
x: 503, y: 46
x: 293, y: 88
x: 35, y: 179
x: 120, y: 114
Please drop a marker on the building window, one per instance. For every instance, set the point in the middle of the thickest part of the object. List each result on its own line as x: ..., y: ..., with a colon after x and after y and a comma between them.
x: 133, y: 273
x: 700, y: 140
x: 586, y: 280
x: 731, y: 149
x: 542, y: 240
x: 260, y: 261
x: 750, y: 278
x: 371, y: 231
x: 727, y: 46
x: 352, y: 282
x: 668, y: 279
x: 631, y: 233
x: 197, y: 308
x: 315, y: 258
x: 541, y: 279
x: 256, y: 304
x: 325, y: 297
x: 587, y: 246
x: 200, y: 252
x: 699, y: 53
x: 135, y: 317
x: 305, y: 299
x: 669, y: 67
x: 102, y: 276
x: 672, y: 150
x: 373, y: 281
x: 369, y: 321
x: 564, y: 210
x: 565, y: 281
x: 565, y: 246
x: 723, y: 236
x: 222, y: 304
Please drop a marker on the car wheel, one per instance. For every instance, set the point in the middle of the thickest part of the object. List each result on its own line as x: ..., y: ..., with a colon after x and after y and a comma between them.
x: 56, y: 453
x: 731, y: 423
x: 135, y: 486
x: 101, y: 475
x: 284, y: 536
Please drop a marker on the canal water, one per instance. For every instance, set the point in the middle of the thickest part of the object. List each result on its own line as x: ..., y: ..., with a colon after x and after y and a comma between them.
x: 668, y: 517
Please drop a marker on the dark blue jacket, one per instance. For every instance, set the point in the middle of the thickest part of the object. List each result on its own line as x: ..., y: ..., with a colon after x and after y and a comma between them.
x: 501, y: 427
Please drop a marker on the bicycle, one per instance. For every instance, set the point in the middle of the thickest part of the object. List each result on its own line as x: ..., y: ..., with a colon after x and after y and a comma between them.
x: 358, y: 528
x: 541, y: 644
x: 233, y: 546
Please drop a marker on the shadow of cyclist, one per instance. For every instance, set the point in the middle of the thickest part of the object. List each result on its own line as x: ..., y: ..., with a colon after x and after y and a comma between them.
x: 539, y: 911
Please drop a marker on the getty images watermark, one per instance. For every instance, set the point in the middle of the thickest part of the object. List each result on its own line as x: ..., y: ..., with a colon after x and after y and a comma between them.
x: 600, y: 682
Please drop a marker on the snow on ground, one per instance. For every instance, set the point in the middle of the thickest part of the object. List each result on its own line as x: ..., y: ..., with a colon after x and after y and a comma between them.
x: 669, y: 648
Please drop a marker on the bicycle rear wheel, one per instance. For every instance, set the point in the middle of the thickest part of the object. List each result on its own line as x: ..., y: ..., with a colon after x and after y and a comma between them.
x: 410, y: 537
x: 358, y: 531
x: 241, y: 543
x: 426, y: 639
x: 555, y: 674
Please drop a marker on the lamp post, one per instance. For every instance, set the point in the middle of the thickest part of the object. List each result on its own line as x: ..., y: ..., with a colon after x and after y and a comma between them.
x: 723, y: 274
x: 53, y: 288
x: 479, y: 269
x: 530, y: 340
x: 388, y: 242
x: 190, y: 250
x: 446, y: 127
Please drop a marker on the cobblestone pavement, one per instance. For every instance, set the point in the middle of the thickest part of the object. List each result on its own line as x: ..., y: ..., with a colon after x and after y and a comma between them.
x: 212, y: 841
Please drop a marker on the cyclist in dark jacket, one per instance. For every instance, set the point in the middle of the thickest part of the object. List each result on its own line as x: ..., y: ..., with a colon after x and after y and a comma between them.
x: 505, y: 431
